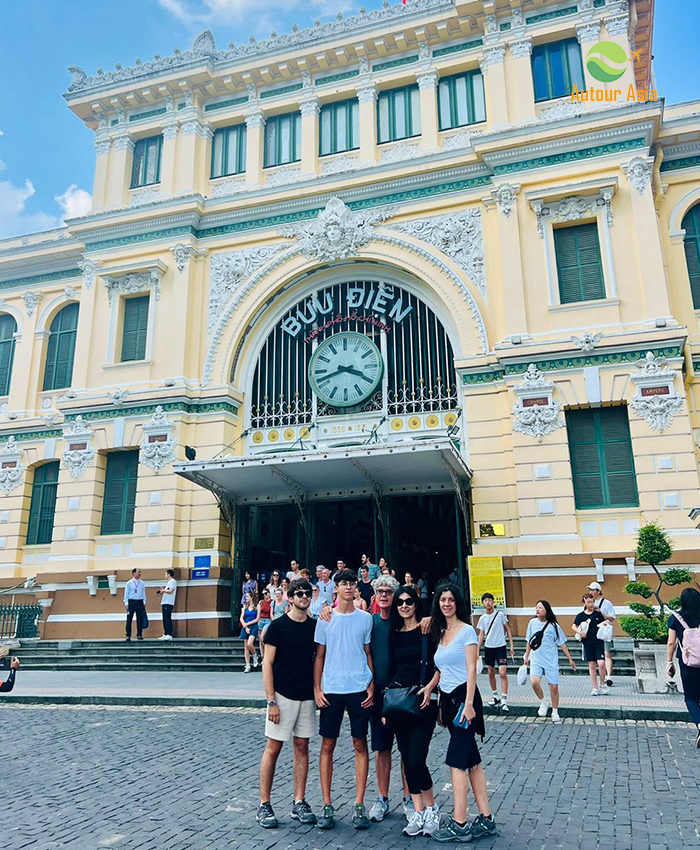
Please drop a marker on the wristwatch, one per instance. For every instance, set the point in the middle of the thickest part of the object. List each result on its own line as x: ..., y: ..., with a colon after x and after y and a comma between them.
x: 271, y: 702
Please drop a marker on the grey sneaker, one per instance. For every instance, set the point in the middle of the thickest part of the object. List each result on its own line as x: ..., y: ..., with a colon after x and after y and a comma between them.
x: 266, y: 817
x: 327, y: 821
x: 452, y: 831
x: 359, y: 817
x: 408, y: 807
x: 482, y: 827
x: 301, y: 811
x: 431, y: 820
x: 415, y: 825
x: 379, y: 810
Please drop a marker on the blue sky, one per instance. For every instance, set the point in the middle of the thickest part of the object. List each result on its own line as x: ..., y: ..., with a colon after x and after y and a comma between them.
x: 46, y: 154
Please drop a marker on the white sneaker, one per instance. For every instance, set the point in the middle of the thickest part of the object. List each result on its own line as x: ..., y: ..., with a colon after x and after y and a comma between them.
x: 494, y: 701
x: 408, y: 807
x: 555, y: 716
x: 595, y: 692
x: 255, y: 661
x: 431, y: 820
x: 542, y: 710
x: 379, y: 810
x: 504, y: 707
x: 415, y: 824
x: 246, y: 669
x: 168, y: 637
x: 163, y: 637
x: 603, y: 689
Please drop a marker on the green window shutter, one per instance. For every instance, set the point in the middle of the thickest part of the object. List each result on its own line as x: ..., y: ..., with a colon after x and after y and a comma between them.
x: 691, y: 243
x: 602, y: 463
x: 8, y: 327
x: 60, y: 351
x: 42, y: 508
x: 579, y: 265
x: 121, y: 477
x: 135, y: 329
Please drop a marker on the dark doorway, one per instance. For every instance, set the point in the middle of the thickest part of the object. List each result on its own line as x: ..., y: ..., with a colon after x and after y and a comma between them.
x: 345, y: 530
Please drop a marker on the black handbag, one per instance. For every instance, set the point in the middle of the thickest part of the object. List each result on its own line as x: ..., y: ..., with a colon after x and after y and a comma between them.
x: 537, y: 638
x: 402, y: 702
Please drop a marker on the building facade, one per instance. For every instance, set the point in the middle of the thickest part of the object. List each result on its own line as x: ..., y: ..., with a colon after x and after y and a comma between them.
x: 398, y: 290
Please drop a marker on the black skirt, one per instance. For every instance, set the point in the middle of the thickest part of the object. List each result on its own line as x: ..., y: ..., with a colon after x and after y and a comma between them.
x: 462, y: 752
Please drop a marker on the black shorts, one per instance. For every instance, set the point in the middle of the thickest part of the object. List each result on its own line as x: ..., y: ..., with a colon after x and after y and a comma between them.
x: 382, y: 735
x: 331, y: 718
x: 495, y: 656
x: 462, y: 752
x: 593, y: 650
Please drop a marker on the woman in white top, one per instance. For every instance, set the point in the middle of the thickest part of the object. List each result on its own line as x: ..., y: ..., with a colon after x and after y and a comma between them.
x: 461, y: 710
x: 548, y: 637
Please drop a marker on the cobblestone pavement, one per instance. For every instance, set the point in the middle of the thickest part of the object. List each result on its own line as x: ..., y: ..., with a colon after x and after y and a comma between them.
x: 575, y: 690
x: 186, y: 779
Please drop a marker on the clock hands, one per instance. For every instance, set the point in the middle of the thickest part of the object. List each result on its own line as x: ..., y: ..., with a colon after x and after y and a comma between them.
x: 345, y: 370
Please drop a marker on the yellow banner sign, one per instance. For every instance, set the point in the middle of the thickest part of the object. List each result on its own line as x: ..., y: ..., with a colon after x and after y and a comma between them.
x: 486, y: 576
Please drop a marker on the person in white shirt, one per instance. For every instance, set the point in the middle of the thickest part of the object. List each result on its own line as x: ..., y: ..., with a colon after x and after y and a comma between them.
x: 294, y: 572
x: 326, y: 586
x: 607, y: 609
x: 493, y: 630
x: 135, y: 603
x: 167, y: 594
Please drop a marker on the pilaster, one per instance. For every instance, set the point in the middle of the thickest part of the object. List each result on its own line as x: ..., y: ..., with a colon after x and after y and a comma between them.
x: 588, y: 34
x: 505, y: 198
x: 618, y: 31
x: 119, y: 177
x: 493, y: 69
x: 310, y: 110
x: 523, y: 109
x: 168, y: 160
x: 193, y: 143
x: 255, y: 138
x: 102, y: 169
x: 367, y: 98
x: 427, y: 84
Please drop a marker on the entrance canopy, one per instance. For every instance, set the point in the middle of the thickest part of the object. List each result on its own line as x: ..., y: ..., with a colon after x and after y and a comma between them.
x: 426, y: 466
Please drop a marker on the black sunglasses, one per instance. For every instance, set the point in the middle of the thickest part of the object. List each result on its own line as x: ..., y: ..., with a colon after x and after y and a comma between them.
x: 300, y: 593
x: 403, y: 602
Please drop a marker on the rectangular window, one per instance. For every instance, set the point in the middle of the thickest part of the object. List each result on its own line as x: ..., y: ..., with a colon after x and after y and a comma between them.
x: 340, y: 127
x: 556, y: 68
x: 135, y: 329
x: 43, y: 505
x: 398, y: 114
x: 602, y: 463
x: 461, y: 100
x: 283, y: 139
x: 579, y: 266
x: 120, y: 492
x: 228, y: 151
x: 146, y: 167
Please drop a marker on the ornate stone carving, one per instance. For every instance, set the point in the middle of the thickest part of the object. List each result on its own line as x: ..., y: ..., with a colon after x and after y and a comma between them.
x: 588, y: 32
x: 561, y: 109
x: 229, y: 271
x: 89, y: 268
x: 638, y: 171
x: 400, y: 152
x: 337, y: 233
x: 194, y: 127
x: 339, y: 164
x: 52, y: 418
x: 204, y: 44
x: 123, y: 143
x: 533, y: 379
x: 660, y: 403
x: 158, y: 445
x: 170, y: 131
x: 493, y: 56
x: 367, y: 93
x: 132, y: 283
x: 618, y: 26
x: 181, y: 252
x: 139, y: 197
x: 458, y: 235
x: 255, y: 120
x: 118, y: 397
x: 423, y: 51
x: 521, y: 48
x: 573, y: 208
x: 309, y: 107
x: 428, y: 79
x: 587, y: 341
x: 282, y: 176
x: 505, y: 196
x: 79, y: 454
x: 102, y: 146
x: 657, y: 410
x: 536, y: 419
x: 491, y: 25
x: 459, y: 140
x: 11, y: 468
x: 517, y: 18
x: 31, y: 301
x: 70, y: 293
x: 224, y: 188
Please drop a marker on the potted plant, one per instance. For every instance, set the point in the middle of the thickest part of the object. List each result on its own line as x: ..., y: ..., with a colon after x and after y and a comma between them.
x: 649, y: 625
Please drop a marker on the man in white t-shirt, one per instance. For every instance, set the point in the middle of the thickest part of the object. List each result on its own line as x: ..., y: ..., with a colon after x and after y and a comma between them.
x: 344, y: 681
x: 607, y: 609
x: 326, y: 585
x: 493, y: 630
x: 167, y: 594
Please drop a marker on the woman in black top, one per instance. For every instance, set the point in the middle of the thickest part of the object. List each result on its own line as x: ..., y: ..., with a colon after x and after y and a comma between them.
x: 593, y: 646
x: 413, y: 734
x: 690, y: 676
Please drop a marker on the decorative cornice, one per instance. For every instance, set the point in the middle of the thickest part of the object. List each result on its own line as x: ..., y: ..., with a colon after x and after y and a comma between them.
x: 13, y: 283
x: 568, y: 156
x: 678, y: 164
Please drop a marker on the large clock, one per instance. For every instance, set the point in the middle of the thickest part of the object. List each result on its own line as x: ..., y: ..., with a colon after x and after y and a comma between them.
x: 346, y: 369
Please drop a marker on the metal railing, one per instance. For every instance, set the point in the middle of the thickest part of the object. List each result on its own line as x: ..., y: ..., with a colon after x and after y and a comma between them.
x: 19, y: 621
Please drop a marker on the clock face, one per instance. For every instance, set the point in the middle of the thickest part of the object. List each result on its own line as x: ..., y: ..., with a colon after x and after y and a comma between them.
x: 345, y: 370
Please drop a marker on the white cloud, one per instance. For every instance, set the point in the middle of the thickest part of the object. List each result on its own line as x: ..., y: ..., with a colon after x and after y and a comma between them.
x: 74, y: 202
x: 14, y: 219
x: 205, y: 12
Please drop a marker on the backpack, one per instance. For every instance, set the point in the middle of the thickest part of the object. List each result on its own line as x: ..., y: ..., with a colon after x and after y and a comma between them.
x: 690, y: 643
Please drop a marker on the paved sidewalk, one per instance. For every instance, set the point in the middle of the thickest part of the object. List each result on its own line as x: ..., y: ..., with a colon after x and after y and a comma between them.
x: 245, y: 690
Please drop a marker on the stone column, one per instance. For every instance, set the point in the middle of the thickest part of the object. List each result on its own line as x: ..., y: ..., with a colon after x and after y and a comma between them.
x: 310, y: 110
x: 119, y: 177
x: 193, y: 147
x: 427, y: 83
x: 367, y: 97
x: 255, y: 138
x: 167, y: 159
x: 522, y: 86
x: 513, y: 285
x: 102, y: 163
x: 495, y: 83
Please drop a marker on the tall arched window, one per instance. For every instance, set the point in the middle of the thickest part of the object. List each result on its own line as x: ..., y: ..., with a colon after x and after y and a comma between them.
x: 61, y: 350
x: 43, y: 505
x: 691, y: 225
x: 8, y: 328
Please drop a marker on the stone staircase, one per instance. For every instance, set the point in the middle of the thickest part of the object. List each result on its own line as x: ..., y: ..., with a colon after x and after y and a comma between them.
x: 215, y: 655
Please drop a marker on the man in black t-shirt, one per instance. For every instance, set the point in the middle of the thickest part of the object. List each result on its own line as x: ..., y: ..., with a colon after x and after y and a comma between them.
x: 365, y: 586
x: 593, y: 646
x: 288, y: 677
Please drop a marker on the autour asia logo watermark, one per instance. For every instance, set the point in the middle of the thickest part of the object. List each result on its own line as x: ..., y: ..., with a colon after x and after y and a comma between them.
x: 607, y: 62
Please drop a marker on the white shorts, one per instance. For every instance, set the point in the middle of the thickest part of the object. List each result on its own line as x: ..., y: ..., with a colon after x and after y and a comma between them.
x: 550, y: 671
x: 297, y: 719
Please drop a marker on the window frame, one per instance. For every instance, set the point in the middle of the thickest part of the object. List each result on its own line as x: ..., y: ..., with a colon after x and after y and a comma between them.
x: 43, y: 495
x: 451, y: 82
x: 391, y: 95
x: 546, y: 49
x: 577, y: 227
x: 7, y: 352
x: 691, y: 242
x: 59, y: 334
x: 294, y: 139
x: 148, y: 143
x: 352, y: 126
x: 223, y: 133
x: 128, y: 305
x: 128, y: 508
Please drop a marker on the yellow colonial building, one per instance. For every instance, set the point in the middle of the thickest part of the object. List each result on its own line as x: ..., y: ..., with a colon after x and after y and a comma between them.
x: 393, y: 288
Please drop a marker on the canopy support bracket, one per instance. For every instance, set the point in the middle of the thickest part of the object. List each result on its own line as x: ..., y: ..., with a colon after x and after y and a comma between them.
x: 298, y: 494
